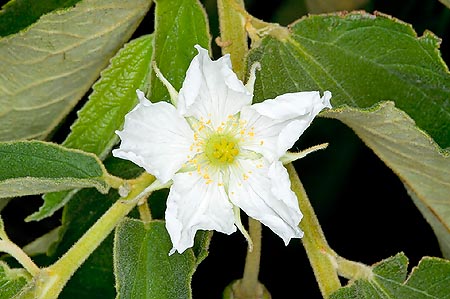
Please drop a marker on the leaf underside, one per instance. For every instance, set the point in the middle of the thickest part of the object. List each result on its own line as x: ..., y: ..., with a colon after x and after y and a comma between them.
x: 430, y: 279
x: 52, y: 63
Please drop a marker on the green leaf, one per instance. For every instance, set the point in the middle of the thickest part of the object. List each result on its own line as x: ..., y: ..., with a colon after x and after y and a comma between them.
x: 179, y: 25
x: 143, y: 267
x: 412, y: 155
x: 114, y: 96
x: 362, y: 59
x: 428, y: 280
x: 11, y: 281
x: 18, y: 14
x: 52, y: 63
x: 35, y: 167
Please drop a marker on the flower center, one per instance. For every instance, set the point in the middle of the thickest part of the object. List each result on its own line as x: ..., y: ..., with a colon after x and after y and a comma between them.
x: 221, y: 149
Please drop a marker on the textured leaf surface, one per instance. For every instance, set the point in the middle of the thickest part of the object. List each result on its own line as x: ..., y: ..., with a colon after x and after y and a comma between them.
x: 35, y: 167
x: 143, y: 267
x: 48, y: 67
x: 113, y: 96
x: 362, y: 59
x: 179, y: 25
x: 412, y: 155
x: 430, y: 279
x: 18, y: 14
x: 11, y: 281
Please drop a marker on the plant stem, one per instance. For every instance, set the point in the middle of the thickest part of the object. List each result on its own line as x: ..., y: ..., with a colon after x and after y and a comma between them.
x: 353, y: 270
x: 53, y: 279
x: 233, y: 36
x: 144, y: 212
x: 16, y: 252
x: 249, y: 283
x: 320, y: 255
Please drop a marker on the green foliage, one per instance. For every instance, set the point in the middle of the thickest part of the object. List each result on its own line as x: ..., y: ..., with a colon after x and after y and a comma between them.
x: 114, y: 95
x: 179, y: 25
x: 143, y: 267
x: 36, y: 167
x: 363, y: 59
x: 390, y: 86
x: 18, y: 14
x: 11, y: 281
x: 366, y: 59
x: 54, y: 62
x: 388, y: 280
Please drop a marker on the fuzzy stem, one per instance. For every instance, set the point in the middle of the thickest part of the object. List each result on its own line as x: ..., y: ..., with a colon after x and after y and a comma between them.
x: 16, y: 252
x: 53, y: 279
x: 249, y: 284
x: 144, y: 212
x: 353, y: 270
x: 320, y: 255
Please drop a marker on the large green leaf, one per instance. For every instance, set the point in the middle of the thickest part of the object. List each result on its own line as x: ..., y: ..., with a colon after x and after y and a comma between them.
x: 35, y: 167
x: 11, y: 281
x: 114, y: 95
x: 143, y: 267
x: 362, y: 59
x: 18, y: 14
x: 412, y: 155
x: 179, y: 25
x: 49, y: 66
x: 430, y: 279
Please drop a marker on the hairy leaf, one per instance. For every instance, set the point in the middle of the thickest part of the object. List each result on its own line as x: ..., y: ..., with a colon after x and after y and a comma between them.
x: 362, y: 59
x: 387, y: 280
x: 49, y: 66
x: 143, y: 267
x: 35, y: 167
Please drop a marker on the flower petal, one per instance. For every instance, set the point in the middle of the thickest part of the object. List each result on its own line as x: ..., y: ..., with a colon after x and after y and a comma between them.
x: 275, y: 125
x: 211, y: 90
x: 263, y: 191
x: 155, y: 137
x: 195, y: 203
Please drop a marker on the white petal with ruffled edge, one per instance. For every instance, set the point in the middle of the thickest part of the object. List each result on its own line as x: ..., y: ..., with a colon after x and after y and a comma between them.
x: 211, y: 90
x: 262, y: 191
x: 193, y: 204
x: 277, y: 124
x: 155, y: 137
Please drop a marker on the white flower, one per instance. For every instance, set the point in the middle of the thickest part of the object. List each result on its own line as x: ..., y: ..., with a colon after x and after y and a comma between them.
x: 222, y: 153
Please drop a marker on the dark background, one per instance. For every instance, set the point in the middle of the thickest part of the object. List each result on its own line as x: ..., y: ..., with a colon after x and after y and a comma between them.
x: 362, y: 206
